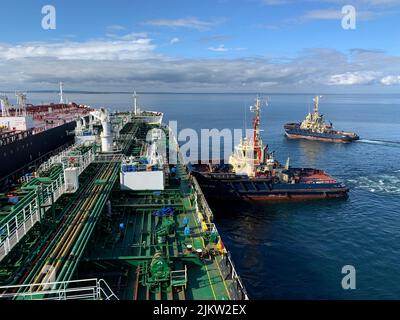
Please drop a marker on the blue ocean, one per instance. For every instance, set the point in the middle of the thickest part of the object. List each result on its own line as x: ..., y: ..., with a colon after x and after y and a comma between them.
x: 297, y: 250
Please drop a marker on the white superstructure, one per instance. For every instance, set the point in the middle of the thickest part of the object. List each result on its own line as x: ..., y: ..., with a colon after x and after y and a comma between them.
x: 145, y: 172
x: 149, y: 117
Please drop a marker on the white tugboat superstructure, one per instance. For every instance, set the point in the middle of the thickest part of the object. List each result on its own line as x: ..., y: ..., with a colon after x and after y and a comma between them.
x: 251, y: 155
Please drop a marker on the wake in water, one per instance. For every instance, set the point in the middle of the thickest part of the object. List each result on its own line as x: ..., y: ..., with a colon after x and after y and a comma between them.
x: 378, y: 184
x: 381, y: 142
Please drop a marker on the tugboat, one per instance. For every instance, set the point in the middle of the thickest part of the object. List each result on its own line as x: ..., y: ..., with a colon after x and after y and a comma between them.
x: 253, y: 174
x: 315, y: 128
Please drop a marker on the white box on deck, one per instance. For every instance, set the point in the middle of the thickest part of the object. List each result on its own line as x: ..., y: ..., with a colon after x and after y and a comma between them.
x: 85, y: 139
x: 71, y: 178
x: 142, y: 180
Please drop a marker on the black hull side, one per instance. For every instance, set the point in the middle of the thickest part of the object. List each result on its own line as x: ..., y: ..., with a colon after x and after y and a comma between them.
x: 293, y: 131
x: 18, y: 154
x: 224, y: 190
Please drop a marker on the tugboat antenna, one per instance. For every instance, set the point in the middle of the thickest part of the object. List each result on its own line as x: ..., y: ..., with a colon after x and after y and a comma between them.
x: 316, y: 103
x: 245, y: 120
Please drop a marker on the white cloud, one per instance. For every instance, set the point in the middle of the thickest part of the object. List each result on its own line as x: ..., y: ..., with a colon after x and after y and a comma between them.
x: 214, y: 38
x: 116, y: 27
x: 189, y: 22
x: 174, y: 40
x: 128, y: 36
x: 378, y: 3
x: 220, y: 48
x: 336, y: 14
x: 390, y: 80
x: 327, y: 14
x: 353, y: 78
x: 274, y: 2
x: 112, y: 64
x: 123, y: 48
x: 369, y: 2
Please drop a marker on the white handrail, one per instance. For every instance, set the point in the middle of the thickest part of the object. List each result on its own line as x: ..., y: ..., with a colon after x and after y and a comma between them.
x: 93, y: 289
x: 16, y: 227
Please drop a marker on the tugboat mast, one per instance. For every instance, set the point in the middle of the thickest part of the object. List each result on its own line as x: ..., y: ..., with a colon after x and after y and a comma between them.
x: 257, y: 143
x: 316, y: 104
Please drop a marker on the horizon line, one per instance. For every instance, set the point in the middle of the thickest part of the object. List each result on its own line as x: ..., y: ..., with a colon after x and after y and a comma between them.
x: 177, y: 92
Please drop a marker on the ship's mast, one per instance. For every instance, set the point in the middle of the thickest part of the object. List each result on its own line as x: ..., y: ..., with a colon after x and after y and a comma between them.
x: 256, y: 130
x: 21, y: 102
x: 316, y: 104
x: 135, y: 105
x: 61, y: 93
x: 5, y: 106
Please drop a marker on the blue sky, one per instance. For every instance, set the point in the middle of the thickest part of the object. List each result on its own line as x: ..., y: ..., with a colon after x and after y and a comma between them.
x: 208, y: 45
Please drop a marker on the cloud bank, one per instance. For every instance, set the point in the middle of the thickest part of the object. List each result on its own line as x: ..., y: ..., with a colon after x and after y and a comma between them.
x: 189, y: 22
x: 128, y: 61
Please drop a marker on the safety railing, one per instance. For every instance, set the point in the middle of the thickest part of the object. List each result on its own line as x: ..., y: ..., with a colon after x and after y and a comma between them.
x: 55, y: 159
x: 64, y: 157
x: 200, y: 204
x: 235, y: 277
x: 107, y: 158
x: 19, y: 222
x: 86, y: 289
x: 179, y: 277
x: 200, y: 201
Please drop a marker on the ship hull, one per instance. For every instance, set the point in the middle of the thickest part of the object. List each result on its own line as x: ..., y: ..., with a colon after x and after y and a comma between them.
x: 315, y: 138
x: 293, y: 131
x: 16, y: 155
x: 263, y: 190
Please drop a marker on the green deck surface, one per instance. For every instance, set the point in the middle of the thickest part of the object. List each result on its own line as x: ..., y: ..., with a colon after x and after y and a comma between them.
x: 136, y: 246
x: 124, y: 257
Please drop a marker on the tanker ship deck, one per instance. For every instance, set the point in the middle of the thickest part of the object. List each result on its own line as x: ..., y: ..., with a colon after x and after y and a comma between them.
x: 99, y: 236
x: 30, y: 134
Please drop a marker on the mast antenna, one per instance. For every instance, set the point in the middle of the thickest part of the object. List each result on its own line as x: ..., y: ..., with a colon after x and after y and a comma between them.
x: 245, y: 119
x: 134, y: 102
x: 61, y: 93
x: 316, y: 103
x: 21, y: 102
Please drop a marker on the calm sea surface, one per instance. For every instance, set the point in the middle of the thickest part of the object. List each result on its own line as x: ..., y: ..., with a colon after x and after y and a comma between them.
x: 295, y: 251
